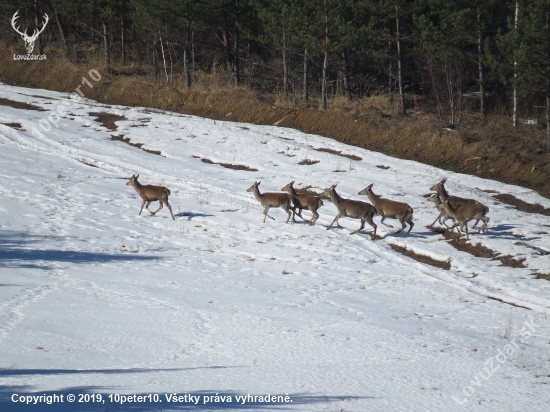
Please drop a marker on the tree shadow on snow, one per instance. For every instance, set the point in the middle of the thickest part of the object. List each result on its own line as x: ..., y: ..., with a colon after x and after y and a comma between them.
x: 18, y: 250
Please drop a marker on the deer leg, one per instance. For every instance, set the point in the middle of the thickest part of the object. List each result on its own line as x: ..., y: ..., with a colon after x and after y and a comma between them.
x: 147, y: 207
x: 475, y: 224
x: 360, y: 227
x: 438, y: 218
x: 411, y: 224
x: 142, y: 204
x: 385, y: 224
x: 403, y: 225
x: 266, y: 215
x: 286, y: 208
x: 335, y: 220
x: 445, y: 220
x: 314, y: 216
x: 169, y: 208
x: 371, y: 222
x: 455, y: 225
x: 160, y: 207
x: 484, y: 226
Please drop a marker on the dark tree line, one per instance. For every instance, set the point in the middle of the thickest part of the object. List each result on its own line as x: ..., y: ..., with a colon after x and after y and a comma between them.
x: 455, y: 54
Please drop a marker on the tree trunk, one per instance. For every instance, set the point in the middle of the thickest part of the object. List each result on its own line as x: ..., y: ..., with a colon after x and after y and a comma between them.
x: 306, y: 85
x: 163, y: 59
x: 106, y: 48
x: 548, y: 115
x: 325, y: 64
x: 345, y: 68
x: 324, y: 82
x: 515, y: 96
x: 37, y: 22
x: 236, y: 62
x: 226, y: 47
x: 285, y: 66
x: 193, y: 52
x: 390, y: 84
x: 399, y: 65
x: 154, y: 60
x: 123, y: 42
x: 61, y: 32
x: 186, y: 52
x: 480, y: 66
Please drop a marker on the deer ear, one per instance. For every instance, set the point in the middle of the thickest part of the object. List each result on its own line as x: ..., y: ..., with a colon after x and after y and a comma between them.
x: 291, y: 183
x: 137, y: 176
x: 443, y: 180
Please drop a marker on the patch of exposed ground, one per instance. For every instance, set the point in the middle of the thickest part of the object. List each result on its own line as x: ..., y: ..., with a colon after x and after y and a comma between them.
x: 15, y: 125
x: 107, y: 119
x: 308, y: 162
x: 508, y: 303
x: 382, y: 167
x: 478, y: 250
x: 545, y: 276
x: 84, y: 162
x: 421, y: 258
x: 138, y: 145
x: 521, y: 205
x: 228, y: 165
x: 19, y: 105
x: 338, y: 153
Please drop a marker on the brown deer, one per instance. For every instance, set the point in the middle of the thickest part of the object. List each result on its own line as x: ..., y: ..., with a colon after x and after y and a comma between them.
x: 150, y: 193
x: 463, y: 214
x: 434, y: 198
x: 454, y: 201
x: 303, y: 201
x: 353, y: 209
x: 269, y: 200
x: 390, y: 209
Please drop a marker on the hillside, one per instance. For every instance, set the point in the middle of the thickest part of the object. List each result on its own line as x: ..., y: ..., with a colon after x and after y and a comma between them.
x: 96, y: 299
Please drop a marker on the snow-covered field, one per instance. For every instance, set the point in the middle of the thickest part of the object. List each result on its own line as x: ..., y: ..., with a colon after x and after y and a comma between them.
x: 95, y: 299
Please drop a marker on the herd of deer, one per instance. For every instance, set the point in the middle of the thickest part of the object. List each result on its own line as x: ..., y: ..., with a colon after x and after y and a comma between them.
x: 458, y: 209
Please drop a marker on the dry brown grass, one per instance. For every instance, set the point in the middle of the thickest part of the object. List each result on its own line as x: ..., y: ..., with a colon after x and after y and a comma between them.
x: 138, y: 145
x: 107, y: 119
x: 308, y: 162
x: 339, y: 153
x: 421, y: 258
x: 19, y: 105
x: 521, y: 205
x: 229, y: 165
x: 15, y: 125
x: 478, y: 250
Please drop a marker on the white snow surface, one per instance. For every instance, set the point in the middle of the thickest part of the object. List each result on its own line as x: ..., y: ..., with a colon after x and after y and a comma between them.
x: 96, y: 299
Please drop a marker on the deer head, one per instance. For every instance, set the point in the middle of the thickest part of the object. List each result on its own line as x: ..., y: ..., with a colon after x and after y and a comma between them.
x: 29, y: 40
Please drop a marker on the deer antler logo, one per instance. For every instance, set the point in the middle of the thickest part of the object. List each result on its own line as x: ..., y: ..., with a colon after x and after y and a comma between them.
x: 29, y: 40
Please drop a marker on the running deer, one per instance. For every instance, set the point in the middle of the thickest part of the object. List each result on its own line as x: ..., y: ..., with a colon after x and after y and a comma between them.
x: 269, y: 200
x: 463, y: 214
x: 353, y: 209
x: 304, y: 201
x: 150, y: 193
x: 454, y: 201
x: 390, y: 209
x: 441, y: 209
